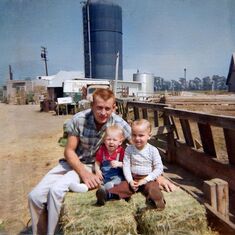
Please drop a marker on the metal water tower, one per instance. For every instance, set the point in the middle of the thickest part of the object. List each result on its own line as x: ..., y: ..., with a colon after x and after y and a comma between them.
x: 102, y: 32
x: 147, y: 82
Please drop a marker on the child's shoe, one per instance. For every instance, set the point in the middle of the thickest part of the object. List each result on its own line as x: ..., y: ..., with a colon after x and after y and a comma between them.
x: 158, y: 205
x: 101, y: 196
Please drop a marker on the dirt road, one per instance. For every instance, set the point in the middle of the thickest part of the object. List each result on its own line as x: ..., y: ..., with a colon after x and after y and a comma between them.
x: 28, y: 149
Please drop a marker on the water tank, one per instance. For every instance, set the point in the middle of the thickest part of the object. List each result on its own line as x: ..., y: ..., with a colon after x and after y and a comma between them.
x: 102, y: 30
x: 147, y: 81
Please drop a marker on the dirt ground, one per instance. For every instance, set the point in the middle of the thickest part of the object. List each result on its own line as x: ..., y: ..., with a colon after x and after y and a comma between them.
x: 28, y: 149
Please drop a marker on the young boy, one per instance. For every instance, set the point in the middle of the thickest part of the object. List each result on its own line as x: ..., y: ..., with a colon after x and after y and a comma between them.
x: 141, y: 166
x: 108, y: 164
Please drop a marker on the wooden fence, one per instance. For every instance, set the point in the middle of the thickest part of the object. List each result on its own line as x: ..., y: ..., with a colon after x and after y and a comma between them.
x: 183, y: 149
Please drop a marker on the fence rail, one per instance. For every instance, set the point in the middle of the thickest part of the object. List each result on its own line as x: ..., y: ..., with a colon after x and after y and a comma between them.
x: 183, y: 149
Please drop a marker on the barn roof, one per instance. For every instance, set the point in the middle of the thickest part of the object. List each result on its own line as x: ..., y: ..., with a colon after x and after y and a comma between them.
x: 231, y: 73
x: 61, y: 76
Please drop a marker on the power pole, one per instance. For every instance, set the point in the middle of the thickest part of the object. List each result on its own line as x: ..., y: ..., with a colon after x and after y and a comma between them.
x: 185, y: 79
x: 116, y: 73
x: 44, y: 57
x: 10, y: 73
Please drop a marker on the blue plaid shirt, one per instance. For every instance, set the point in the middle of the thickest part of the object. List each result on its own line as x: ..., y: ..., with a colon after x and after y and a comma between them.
x: 83, y: 126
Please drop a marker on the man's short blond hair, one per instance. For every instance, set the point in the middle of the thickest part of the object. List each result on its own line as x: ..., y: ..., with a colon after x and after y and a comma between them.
x: 104, y: 93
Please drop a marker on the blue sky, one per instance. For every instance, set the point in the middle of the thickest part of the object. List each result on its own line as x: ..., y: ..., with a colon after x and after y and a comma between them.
x: 159, y: 36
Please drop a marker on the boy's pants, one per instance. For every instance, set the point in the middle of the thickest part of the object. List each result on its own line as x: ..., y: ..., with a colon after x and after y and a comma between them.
x: 45, y: 200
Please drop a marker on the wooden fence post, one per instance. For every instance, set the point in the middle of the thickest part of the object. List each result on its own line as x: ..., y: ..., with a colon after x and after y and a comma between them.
x: 217, y: 194
x: 209, y: 189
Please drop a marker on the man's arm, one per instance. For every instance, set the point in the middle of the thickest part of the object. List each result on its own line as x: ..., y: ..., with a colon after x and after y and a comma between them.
x: 91, y: 180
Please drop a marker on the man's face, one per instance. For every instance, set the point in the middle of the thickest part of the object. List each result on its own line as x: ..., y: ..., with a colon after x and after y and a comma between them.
x: 102, y: 109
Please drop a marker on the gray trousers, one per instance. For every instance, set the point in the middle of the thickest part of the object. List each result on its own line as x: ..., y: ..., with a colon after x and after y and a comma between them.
x: 45, y: 200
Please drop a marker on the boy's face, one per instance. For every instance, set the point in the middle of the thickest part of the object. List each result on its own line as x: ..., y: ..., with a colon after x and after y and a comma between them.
x: 140, y: 136
x: 112, y: 141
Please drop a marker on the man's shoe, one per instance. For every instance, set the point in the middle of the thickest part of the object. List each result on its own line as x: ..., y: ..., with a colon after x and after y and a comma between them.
x: 101, y: 196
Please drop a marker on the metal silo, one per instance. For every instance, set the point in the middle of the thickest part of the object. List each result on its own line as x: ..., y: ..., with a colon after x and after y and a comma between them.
x: 147, y: 81
x: 102, y: 29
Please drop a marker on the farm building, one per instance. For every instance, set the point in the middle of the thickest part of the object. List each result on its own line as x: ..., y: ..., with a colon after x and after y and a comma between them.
x: 231, y: 75
x: 55, y: 86
x: 51, y: 87
x: 24, y: 91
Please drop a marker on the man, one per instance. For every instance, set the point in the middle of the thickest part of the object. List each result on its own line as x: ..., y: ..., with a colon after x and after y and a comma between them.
x: 85, y: 132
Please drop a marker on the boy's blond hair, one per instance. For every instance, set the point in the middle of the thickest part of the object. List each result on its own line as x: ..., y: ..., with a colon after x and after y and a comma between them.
x: 142, y: 122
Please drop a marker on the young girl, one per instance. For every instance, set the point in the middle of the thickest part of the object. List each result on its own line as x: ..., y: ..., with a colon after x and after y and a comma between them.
x: 108, y: 164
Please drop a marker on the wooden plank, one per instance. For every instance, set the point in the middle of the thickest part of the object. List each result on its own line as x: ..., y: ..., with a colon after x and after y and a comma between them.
x: 166, y: 119
x: 136, y: 113
x: 171, y: 147
x: 152, y: 106
x: 229, y: 136
x: 187, y: 132
x: 175, y: 129
x: 145, y: 113
x: 209, y: 189
x: 161, y: 130
x: 225, y: 226
x: 207, y: 139
x: 214, y: 120
x: 204, y: 167
x: 222, y: 197
x: 156, y: 121
x: 170, y: 140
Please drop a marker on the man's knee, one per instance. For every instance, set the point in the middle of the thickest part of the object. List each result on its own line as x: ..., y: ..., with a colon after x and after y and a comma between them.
x: 35, y: 198
x: 56, y: 192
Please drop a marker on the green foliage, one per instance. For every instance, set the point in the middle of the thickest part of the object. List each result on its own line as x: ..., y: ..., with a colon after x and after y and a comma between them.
x: 30, y: 97
x: 62, y: 141
x: 2, y: 226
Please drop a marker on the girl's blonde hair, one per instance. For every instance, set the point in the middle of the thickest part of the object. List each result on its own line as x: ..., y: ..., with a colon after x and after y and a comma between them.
x: 114, y: 128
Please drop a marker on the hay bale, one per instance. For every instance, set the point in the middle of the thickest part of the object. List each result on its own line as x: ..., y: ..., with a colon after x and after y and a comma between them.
x: 81, y: 216
x: 182, y: 215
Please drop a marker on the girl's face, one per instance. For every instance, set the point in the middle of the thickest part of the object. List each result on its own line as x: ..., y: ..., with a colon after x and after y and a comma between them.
x: 140, y: 136
x: 112, y: 141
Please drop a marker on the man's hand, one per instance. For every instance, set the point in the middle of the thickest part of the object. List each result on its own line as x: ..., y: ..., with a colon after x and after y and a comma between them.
x: 92, y: 181
x: 99, y: 174
x: 166, y: 184
x: 134, y: 185
x: 115, y: 164
x: 142, y: 182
